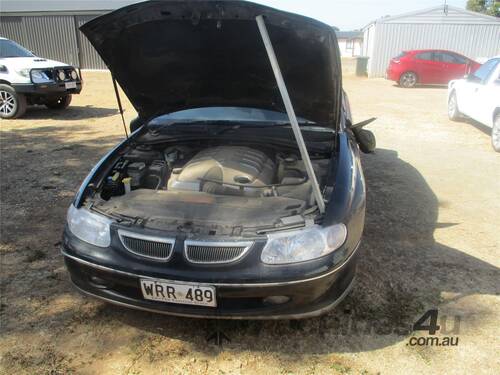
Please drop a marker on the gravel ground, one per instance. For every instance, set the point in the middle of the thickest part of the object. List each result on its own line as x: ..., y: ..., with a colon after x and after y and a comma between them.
x: 431, y: 241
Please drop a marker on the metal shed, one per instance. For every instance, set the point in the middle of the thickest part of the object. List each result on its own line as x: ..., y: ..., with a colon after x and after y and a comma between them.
x: 50, y: 27
x: 445, y: 27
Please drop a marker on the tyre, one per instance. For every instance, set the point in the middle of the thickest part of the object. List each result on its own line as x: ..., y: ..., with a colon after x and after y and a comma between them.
x: 408, y: 80
x: 495, y: 133
x: 59, y: 103
x: 12, y: 104
x: 453, y: 111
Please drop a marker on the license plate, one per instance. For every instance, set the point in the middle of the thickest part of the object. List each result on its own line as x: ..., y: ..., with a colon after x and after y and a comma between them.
x: 186, y: 294
x: 70, y: 85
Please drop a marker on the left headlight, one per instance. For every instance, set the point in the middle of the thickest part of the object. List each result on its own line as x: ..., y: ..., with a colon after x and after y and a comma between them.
x: 303, y: 245
x: 39, y: 76
x: 89, y: 227
x: 24, y: 72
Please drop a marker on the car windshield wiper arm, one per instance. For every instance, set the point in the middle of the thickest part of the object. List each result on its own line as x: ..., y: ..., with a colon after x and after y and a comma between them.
x: 260, y: 126
x: 217, y: 127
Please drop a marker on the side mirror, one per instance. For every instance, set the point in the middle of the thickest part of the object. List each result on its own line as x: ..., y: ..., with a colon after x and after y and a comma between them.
x: 366, y: 140
x: 136, y: 124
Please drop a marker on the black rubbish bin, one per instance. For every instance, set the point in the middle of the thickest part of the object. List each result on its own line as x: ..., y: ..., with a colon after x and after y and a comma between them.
x: 362, y: 66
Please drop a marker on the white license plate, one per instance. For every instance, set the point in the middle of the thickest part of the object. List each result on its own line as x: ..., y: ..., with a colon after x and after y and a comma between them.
x: 70, y: 85
x: 187, y: 294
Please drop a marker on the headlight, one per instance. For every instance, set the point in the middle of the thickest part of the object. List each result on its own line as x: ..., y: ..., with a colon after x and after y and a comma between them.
x: 89, y: 227
x: 24, y: 72
x: 74, y: 75
x: 61, y: 75
x: 38, y: 76
x: 306, y: 244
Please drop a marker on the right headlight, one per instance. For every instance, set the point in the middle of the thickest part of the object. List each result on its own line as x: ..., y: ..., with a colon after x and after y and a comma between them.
x: 89, y: 227
x: 306, y: 244
x: 39, y: 76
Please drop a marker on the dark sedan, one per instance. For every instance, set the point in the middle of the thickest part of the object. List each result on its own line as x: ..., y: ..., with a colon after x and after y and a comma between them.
x: 241, y: 195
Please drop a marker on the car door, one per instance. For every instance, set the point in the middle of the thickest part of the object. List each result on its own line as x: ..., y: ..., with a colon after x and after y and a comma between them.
x: 456, y: 66
x: 425, y: 67
x: 488, y: 96
x: 450, y: 67
x: 476, y: 94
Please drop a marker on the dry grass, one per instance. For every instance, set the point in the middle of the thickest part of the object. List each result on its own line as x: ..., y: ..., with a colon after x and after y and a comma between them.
x: 431, y: 240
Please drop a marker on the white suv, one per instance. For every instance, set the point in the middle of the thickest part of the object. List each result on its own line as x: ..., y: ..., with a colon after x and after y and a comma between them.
x: 478, y: 97
x: 26, y: 79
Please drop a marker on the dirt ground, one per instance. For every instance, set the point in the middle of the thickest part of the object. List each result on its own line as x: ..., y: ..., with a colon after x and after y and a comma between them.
x: 431, y: 241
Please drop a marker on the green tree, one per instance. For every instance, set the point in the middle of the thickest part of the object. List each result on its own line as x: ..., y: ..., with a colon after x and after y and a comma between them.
x: 489, y: 7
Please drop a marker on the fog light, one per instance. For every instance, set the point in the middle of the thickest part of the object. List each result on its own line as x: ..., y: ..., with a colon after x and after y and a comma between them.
x: 276, y: 300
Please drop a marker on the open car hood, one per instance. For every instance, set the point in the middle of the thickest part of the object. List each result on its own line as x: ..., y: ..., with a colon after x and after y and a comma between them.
x: 173, y: 55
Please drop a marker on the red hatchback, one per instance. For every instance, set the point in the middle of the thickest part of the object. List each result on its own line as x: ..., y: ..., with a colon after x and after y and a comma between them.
x: 433, y: 67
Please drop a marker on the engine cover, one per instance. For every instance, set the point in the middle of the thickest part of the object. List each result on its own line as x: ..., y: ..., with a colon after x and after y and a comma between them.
x: 226, y: 165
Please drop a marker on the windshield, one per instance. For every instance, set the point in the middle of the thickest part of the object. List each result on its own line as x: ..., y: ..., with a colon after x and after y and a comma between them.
x: 8, y: 48
x: 228, y: 114
x: 483, y: 73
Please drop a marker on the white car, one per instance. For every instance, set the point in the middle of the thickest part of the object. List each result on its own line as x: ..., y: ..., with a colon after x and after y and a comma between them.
x: 478, y: 96
x: 26, y: 79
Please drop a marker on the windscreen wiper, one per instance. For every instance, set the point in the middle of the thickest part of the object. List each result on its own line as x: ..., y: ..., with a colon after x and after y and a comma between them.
x: 261, y: 125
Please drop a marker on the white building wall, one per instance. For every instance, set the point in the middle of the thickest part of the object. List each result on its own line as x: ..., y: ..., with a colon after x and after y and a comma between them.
x: 473, y: 41
x: 472, y: 34
x: 356, y: 49
x: 369, y: 45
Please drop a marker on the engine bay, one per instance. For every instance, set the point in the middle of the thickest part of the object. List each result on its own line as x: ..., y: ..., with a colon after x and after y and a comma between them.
x: 223, y: 186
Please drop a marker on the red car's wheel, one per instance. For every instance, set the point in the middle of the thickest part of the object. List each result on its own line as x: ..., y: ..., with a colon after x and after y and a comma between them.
x: 408, y: 80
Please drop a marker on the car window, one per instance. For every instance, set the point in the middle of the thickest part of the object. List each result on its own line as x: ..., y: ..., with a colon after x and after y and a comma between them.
x: 486, y: 70
x: 450, y: 58
x: 458, y: 59
x: 8, y: 48
x: 424, y: 56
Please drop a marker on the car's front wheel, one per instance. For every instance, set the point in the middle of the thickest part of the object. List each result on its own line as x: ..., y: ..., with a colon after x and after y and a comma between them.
x: 453, y: 111
x: 408, y: 80
x: 12, y: 104
x: 495, y: 133
x: 59, y: 103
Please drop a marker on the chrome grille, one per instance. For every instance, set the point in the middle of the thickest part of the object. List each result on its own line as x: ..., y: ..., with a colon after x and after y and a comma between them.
x: 156, y: 248
x: 215, y: 252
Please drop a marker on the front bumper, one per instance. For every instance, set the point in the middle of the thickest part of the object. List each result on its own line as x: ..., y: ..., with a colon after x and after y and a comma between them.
x: 309, y: 296
x: 47, y: 89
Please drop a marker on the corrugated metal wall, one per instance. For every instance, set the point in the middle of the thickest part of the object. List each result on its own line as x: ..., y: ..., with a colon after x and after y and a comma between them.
x: 442, y: 14
x: 474, y: 41
x: 89, y: 57
x: 54, y: 37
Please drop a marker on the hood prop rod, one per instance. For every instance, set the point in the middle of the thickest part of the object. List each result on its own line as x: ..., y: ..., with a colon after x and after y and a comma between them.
x: 291, y: 113
x: 120, y: 107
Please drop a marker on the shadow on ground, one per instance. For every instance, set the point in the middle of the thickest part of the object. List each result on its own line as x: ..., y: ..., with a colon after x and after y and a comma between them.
x: 402, y: 272
x: 73, y: 112
x: 418, y: 86
x: 481, y: 127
